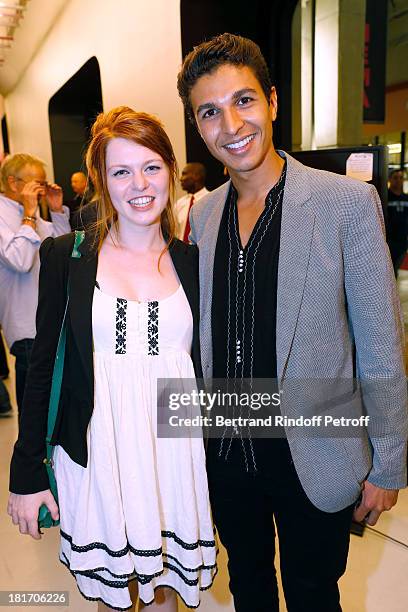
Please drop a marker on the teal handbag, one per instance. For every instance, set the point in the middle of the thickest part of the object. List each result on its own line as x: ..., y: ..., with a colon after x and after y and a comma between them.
x: 44, y: 516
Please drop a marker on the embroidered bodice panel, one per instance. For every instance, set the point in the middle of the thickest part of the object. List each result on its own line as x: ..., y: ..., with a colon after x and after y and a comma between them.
x: 123, y: 326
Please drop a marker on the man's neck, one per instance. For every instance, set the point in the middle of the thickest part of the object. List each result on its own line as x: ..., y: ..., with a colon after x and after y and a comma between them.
x: 259, y: 181
x: 195, y: 190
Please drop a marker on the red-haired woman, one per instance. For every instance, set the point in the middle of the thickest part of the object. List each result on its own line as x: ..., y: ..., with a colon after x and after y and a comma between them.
x: 133, y: 506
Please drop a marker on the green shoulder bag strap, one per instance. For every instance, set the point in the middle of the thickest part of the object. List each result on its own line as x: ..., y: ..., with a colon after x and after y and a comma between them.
x: 44, y: 516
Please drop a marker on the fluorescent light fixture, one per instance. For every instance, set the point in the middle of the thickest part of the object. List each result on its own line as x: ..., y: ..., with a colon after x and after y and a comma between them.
x: 394, y: 148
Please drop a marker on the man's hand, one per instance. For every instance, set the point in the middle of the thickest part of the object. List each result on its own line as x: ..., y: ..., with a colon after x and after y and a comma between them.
x: 374, y: 501
x: 30, y: 195
x: 23, y: 510
x: 54, y: 197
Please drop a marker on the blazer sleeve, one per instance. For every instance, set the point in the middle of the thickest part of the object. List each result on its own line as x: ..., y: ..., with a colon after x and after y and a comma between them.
x: 27, y: 471
x: 374, y: 311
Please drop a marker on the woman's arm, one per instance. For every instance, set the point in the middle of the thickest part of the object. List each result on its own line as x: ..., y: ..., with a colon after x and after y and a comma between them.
x: 28, y: 472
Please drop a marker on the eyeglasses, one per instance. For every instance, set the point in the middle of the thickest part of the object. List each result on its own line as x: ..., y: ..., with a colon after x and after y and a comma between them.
x: 41, y: 183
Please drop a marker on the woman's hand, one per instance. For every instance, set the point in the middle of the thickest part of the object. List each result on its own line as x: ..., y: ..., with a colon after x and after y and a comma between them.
x: 23, y: 510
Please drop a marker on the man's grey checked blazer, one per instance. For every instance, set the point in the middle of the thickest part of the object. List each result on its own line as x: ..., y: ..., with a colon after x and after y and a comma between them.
x: 336, y: 291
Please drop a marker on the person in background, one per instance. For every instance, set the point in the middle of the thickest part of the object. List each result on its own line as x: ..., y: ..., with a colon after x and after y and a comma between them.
x: 192, y: 180
x: 23, y: 184
x: 4, y: 369
x: 5, y: 406
x: 397, y: 218
x: 80, y: 201
x: 78, y: 184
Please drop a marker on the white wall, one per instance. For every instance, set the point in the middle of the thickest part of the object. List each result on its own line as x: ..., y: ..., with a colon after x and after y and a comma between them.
x: 138, y: 47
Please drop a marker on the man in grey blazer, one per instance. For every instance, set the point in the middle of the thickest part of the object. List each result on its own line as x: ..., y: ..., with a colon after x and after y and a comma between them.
x: 296, y: 285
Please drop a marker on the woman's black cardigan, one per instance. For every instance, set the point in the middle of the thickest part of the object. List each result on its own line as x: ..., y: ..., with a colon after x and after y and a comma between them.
x: 28, y: 472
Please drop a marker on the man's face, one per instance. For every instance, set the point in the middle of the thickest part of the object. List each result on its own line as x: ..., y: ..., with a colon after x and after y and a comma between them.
x: 396, y: 181
x: 234, y: 118
x: 188, y: 179
x: 28, y: 173
x: 78, y: 183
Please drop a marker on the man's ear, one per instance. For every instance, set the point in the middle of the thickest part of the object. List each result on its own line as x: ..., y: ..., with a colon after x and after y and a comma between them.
x: 273, y: 102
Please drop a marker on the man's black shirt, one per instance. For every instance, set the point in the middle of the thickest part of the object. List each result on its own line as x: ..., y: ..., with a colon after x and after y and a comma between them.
x: 244, y: 301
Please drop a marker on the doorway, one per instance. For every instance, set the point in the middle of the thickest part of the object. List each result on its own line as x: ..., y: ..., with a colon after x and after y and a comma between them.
x: 72, y: 111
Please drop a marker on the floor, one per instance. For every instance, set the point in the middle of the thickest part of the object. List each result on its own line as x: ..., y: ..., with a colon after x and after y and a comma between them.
x: 375, y: 581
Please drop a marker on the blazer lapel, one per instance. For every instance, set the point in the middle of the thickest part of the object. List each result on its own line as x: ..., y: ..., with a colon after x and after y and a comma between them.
x: 82, y: 276
x: 207, y: 245
x: 295, y: 242
x: 185, y: 273
x: 187, y: 270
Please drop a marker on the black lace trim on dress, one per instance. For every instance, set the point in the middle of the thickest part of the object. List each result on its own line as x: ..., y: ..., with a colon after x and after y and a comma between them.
x: 146, y: 603
x: 191, y: 569
x: 88, y: 598
x: 127, y: 577
x: 173, y: 568
x: 112, y: 553
x: 153, y: 328
x: 193, y: 546
x: 121, y: 307
x: 141, y: 578
x: 135, y: 551
x: 115, y: 584
x: 133, y: 574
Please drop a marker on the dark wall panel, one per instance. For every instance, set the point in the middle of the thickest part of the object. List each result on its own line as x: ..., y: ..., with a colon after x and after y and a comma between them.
x: 72, y: 110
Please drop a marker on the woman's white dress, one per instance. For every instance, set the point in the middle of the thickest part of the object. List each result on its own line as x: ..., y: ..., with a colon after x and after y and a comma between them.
x: 140, y: 509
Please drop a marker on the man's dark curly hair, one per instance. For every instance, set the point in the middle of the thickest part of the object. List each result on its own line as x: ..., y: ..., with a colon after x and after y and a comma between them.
x: 210, y: 55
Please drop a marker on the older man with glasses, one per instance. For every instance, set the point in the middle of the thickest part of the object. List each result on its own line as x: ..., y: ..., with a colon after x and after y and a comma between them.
x: 24, y: 186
